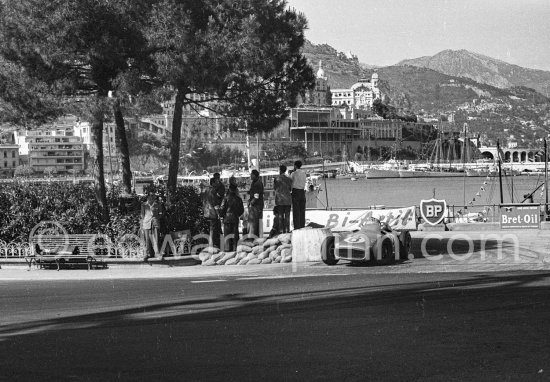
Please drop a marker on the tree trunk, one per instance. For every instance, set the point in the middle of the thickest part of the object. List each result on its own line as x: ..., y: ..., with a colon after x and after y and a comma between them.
x: 99, y: 184
x: 122, y: 147
x: 175, y: 145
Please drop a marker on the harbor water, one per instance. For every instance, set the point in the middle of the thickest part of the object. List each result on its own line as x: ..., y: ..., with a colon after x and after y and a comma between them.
x: 401, y: 192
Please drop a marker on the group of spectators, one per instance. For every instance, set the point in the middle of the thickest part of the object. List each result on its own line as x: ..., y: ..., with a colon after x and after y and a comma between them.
x: 228, y: 208
x: 225, y: 207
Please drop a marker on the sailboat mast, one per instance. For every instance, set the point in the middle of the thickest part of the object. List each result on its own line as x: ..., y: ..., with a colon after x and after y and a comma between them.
x: 439, y: 151
x: 499, y: 171
x: 545, y: 180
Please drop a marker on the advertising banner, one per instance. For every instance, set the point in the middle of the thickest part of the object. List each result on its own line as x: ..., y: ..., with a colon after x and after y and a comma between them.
x: 349, y: 220
x: 520, y: 216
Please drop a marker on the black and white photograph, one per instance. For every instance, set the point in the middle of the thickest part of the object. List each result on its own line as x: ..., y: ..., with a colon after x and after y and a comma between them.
x: 274, y: 190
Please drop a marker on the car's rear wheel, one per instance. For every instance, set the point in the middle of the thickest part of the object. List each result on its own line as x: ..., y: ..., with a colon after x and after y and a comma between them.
x: 327, y: 251
x: 386, y: 253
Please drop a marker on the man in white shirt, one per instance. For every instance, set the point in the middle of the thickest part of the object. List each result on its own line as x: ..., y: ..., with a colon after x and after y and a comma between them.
x: 298, y: 177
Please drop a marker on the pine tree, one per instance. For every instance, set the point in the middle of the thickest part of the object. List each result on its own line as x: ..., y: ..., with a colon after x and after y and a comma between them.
x: 78, y: 49
x: 243, y: 57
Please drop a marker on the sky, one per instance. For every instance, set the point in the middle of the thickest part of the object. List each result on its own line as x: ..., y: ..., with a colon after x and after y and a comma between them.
x: 384, y: 32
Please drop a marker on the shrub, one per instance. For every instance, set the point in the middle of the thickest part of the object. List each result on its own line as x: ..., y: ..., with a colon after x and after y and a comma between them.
x: 184, y: 211
x: 24, y: 204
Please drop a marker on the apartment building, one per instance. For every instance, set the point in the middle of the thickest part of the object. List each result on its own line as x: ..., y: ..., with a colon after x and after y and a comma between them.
x: 9, y: 159
x: 53, y: 148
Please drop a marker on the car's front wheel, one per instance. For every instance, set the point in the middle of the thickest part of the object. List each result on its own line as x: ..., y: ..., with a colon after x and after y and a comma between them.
x: 405, y: 242
x: 327, y: 251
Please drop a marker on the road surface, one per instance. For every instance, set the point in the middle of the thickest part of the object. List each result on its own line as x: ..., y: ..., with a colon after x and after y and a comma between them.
x: 341, y: 323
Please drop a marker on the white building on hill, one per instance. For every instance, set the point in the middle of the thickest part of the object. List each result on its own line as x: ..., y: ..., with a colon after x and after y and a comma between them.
x: 361, y: 94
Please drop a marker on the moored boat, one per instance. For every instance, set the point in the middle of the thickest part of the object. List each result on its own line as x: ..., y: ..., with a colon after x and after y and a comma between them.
x: 381, y: 173
x: 389, y: 169
x: 481, y: 171
x: 419, y: 173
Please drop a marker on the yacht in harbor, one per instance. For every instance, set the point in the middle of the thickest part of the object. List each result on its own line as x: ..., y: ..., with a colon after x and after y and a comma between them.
x: 426, y: 172
x: 388, y: 169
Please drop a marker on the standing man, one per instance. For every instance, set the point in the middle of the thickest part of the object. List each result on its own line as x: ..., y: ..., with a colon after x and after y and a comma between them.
x: 220, y: 188
x: 283, y: 200
x: 211, y: 205
x: 231, y: 210
x: 150, y: 224
x: 255, y: 204
x: 298, y: 177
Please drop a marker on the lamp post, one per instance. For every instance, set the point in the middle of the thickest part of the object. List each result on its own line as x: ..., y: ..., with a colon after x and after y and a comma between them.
x: 268, y: 158
x: 247, y: 142
x: 325, y: 182
x: 258, y: 150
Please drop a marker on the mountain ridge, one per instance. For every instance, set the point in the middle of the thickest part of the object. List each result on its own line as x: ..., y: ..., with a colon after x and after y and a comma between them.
x: 482, y: 69
x: 456, y: 63
x: 513, y: 108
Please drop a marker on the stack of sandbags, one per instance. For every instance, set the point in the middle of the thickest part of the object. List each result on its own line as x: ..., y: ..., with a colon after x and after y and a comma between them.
x: 260, y: 251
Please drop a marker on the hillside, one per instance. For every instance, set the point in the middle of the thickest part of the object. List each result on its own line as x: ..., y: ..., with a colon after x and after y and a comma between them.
x: 410, y: 87
x: 483, y: 69
x: 341, y: 70
x: 417, y: 89
x: 496, y: 111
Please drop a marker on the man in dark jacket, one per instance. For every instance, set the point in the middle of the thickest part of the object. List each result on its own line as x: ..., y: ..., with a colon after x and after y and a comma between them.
x: 211, y: 205
x: 231, y: 210
x: 255, y: 204
x: 220, y: 188
x: 283, y: 200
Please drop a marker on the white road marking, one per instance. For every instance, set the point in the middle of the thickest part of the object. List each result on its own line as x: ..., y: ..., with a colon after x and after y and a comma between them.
x: 289, y: 276
x: 207, y: 281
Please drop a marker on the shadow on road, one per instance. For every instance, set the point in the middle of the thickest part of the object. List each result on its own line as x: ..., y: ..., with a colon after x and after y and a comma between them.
x: 463, y: 329
x: 459, y: 246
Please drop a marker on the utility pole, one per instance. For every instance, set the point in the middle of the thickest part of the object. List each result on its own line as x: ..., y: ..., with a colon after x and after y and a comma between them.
x: 110, y: 161
x: 258, y: 148
x: 247, y: 145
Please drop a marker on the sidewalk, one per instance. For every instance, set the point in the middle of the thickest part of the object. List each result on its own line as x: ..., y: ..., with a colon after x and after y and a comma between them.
x: 142, y: 271
x: 444, y: 251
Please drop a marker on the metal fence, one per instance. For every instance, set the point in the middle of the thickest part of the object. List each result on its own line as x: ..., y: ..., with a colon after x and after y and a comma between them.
x: 482, y: 213
x: 125, y: 249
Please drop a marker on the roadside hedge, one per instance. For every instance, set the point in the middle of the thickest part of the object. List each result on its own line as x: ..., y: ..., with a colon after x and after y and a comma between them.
x: 24, y: 204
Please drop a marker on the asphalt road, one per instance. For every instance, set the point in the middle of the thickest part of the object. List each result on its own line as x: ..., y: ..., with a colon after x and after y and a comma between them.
x: 342, y: 325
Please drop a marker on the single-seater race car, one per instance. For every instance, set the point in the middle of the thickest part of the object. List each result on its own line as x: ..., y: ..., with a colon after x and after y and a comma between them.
x: 374, y: 242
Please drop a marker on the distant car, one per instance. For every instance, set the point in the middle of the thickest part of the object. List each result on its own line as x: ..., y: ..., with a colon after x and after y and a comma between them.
x: 374, y: 243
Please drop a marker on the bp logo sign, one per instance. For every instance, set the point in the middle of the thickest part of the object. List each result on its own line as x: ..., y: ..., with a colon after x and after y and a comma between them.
x: 433, y: 210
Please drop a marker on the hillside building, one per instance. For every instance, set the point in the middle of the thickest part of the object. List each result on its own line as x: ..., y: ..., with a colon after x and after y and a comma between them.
x: 331, y: 131
x: 320, y: 95
x: 361, y: 94
x: 9, y: 159
x: 54, y: 148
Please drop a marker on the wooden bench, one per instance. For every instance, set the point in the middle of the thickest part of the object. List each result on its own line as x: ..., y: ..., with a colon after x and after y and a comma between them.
x: 58, y: 250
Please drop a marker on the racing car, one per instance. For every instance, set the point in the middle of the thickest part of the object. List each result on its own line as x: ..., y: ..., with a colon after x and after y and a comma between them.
x: 375, y: 242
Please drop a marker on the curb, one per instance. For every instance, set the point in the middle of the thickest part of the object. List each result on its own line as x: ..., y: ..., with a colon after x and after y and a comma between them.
x: 180, y: 261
